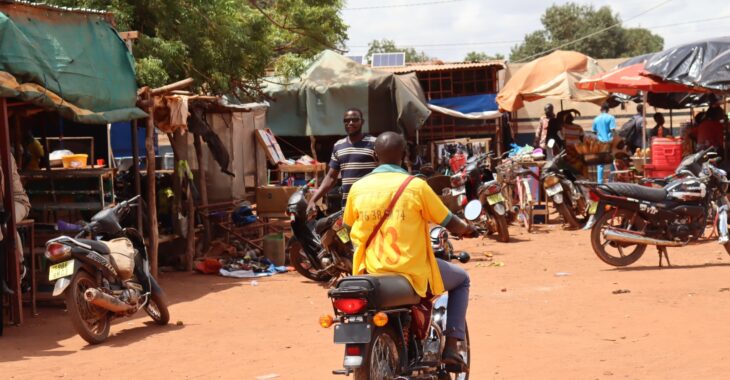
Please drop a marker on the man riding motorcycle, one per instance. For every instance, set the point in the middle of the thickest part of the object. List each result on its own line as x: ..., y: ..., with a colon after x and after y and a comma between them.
x: 389, y: 212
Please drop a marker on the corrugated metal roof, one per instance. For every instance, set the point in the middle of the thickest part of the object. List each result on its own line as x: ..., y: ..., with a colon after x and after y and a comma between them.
x: 440, y: 66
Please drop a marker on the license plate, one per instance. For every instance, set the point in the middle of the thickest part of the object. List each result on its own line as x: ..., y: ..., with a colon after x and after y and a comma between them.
x: 495, y: 198
x: 592, y: 209
x: 344, y: 235
x: 59, y: 270
x: 353, y: 333
x: 554, y: 189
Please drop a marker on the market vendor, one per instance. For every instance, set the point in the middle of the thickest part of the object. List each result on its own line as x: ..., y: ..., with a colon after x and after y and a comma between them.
x: 352, y: 157
x: 709, y: 133
x: 547, y: 129
x: 659, y: 130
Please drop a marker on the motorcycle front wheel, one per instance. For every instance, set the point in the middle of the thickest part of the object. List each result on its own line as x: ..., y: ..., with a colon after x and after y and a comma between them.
x: 568, y: 215
x: 91, y: 322
x: 156, y: 307
x: 382, y: 359
x: 615, y: 253
x: 301, y: 264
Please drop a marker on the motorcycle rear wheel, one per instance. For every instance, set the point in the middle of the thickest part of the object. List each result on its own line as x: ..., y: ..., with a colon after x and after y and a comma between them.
x: 382, y: 357
x: 301, y: 264
x: 600, y: 245
x: 92, y: 323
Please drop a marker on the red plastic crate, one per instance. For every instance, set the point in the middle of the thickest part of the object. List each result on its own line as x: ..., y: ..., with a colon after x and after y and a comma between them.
x: 666, y: 152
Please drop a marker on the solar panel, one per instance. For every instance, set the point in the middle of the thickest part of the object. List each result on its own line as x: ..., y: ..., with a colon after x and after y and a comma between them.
x: 356, y: 58
x: 389, y: 59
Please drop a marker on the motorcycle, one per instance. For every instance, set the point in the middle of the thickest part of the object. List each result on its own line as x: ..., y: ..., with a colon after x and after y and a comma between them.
x: 629, y: 217
x: 320, y: 249
x: 442, y: 247
x: 105, y: 277
x: 559, y: 185
x: 389, y: 332
x: 476, y: 181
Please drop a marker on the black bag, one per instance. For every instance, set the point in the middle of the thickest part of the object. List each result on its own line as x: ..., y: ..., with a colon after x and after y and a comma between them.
x: 628, y: 131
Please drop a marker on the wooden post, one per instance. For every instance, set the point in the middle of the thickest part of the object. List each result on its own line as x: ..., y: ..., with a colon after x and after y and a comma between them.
x: 190, y: 246
x: 202, y: 186
x: 153, y: 238
x: 135, y: 170
x: 9, y: 243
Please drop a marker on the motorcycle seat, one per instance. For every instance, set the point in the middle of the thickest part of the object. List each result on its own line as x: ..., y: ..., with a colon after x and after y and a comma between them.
x: 383, y: 291
x: 325, y: 223
x: 635, y: 191
x: 97, y: 246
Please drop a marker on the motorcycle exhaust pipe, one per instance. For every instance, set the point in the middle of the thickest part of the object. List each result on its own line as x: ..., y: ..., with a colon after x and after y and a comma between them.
x: 105, y: 301
x: 626, y: 237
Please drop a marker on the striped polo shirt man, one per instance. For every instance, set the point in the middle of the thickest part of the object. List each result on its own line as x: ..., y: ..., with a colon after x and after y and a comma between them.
x: 353, y: 161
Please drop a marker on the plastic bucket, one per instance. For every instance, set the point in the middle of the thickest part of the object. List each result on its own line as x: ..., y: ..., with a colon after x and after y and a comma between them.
x: 75, y: 161
x: 274, y: 248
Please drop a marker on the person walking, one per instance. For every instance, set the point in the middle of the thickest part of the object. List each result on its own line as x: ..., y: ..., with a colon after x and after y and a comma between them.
x: 603, y: 126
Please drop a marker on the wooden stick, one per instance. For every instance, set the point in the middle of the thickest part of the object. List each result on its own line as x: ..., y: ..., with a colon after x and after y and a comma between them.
x: 190, y: 247
x: 153, y: 237
x: 202, y: 186
x: 172, y: 86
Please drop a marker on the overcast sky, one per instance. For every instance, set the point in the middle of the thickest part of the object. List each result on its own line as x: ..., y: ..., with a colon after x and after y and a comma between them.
x: 448, y: 29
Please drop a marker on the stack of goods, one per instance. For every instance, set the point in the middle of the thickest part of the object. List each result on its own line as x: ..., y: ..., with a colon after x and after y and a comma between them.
x: 595, y: 152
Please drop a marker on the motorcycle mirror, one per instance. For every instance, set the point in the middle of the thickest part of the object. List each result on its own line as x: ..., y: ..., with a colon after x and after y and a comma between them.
x: 464, y: 257
x: 472, y: 210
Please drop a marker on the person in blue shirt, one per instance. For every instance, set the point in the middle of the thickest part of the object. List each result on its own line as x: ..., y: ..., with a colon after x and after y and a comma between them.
x: 603, y: 126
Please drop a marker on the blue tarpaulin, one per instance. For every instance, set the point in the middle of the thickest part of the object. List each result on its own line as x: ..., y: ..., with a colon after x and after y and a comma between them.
x: 470, y: 107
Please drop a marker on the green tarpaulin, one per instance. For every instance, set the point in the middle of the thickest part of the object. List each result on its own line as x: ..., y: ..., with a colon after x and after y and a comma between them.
x: 313, y: 105
x: 71, y: 61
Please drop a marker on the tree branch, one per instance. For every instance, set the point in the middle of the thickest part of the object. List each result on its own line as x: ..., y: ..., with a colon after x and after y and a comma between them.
x: 294, y: 30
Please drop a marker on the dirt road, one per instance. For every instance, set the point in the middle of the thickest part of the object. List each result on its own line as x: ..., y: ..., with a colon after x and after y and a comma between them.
x: 549, y: 312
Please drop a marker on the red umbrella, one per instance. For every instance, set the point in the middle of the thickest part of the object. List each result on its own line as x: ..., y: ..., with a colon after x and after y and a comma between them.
x: 630, y: 80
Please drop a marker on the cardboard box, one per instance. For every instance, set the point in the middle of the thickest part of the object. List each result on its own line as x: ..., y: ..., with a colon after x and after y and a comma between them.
x: 272, y: 200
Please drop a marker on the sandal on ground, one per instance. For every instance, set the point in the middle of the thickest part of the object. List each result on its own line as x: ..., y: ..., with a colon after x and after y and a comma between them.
x: 454, y: 362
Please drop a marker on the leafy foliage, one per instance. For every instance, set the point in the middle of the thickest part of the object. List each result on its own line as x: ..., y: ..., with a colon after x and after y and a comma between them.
x: 225, y: 45
x: 570, y: 22
x: 474, y: 56
x: 388, y: 46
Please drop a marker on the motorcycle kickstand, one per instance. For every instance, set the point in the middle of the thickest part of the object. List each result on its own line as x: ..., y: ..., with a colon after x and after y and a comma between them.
x: 662, y: 250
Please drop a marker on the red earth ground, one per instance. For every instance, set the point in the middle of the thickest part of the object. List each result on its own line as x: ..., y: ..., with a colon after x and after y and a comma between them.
x: 549, y: 312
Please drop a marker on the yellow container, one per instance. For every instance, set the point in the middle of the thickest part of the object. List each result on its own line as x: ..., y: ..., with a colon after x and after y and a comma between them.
x: 75, y: 161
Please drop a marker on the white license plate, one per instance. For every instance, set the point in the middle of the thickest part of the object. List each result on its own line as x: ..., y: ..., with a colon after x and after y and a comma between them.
x: 344, y: 235
x: 59, y: 270
x: 592, y: 209
x: 554, y: 189
x: 495, y: 198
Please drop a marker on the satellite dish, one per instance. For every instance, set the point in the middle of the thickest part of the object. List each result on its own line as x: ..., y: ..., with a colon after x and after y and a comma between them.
x: 472, y: 210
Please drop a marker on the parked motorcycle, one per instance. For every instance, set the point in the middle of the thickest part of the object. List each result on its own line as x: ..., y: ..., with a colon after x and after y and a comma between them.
x: 389, y: 332
x: 476, y: 181
x: 559, y: 184
x: 105, y: 277
x: 629, y: 217
x: 320, y: 249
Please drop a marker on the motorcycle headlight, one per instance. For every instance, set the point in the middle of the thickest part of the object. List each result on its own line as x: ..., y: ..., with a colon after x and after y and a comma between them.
x: 551, y: 181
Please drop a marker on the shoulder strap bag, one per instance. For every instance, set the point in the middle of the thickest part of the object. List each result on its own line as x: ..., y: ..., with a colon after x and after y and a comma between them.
x: 388, y: 210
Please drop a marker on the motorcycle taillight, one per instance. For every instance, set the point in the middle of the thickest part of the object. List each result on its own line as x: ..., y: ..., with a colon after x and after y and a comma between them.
x: 350, y: 305
x: 57, y: 251
x: 593, y: 196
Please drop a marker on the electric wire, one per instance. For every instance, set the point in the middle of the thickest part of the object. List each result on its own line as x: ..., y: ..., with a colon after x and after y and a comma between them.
x: 400, y: 5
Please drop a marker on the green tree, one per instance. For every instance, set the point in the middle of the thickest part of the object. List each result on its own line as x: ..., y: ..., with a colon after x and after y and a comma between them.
x: 389, y: 46
x: 570, y: 22
x: 227, y: 46
x: 474, y: 56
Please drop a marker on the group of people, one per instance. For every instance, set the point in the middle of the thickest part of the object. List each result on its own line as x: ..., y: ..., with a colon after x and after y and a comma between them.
x: 389, y: 211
